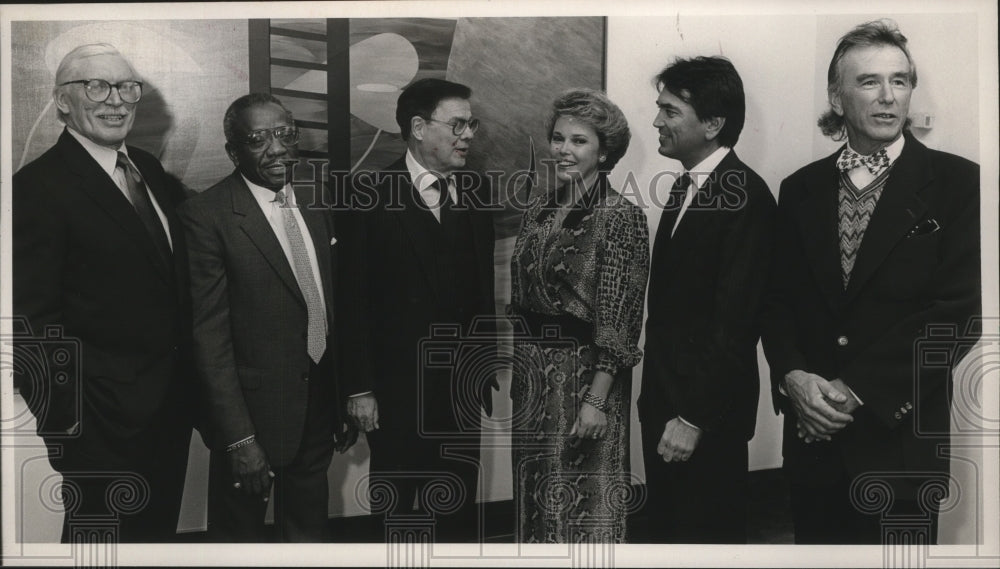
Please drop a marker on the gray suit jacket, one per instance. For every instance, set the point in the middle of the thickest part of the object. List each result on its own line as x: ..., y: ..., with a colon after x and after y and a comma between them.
x: 250, y: 318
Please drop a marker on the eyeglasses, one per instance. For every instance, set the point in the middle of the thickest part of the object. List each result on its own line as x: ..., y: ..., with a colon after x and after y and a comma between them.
x: 258, y: 139
x: 98, y: 90
x: 458, y: 126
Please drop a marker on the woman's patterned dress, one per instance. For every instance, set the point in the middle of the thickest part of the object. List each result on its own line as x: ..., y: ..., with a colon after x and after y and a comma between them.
x: 590, y: 269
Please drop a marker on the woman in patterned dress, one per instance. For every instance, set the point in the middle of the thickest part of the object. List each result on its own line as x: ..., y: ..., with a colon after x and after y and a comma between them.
x: 578, y: 273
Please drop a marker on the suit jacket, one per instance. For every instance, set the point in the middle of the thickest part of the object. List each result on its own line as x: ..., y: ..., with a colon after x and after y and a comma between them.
x: 916, y: 275
x: 705, y: 292
x: 250, y: 318
x: 398, y: 295
x: 83, y: 262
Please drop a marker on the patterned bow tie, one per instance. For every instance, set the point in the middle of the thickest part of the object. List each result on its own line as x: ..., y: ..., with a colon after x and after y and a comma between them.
x: 875, y: 163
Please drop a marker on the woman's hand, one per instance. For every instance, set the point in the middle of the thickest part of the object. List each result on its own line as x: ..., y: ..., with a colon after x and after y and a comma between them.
x: 591, y: 423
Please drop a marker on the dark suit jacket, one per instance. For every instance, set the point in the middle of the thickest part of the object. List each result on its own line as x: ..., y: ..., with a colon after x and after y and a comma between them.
x: 705, y: 292
x: 250, y: 318
x: 909, y: 280
x: 83, y: 261
x: 398, y: 295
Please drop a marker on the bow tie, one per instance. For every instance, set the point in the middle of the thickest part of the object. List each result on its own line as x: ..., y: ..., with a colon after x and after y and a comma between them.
x: 875, y: 163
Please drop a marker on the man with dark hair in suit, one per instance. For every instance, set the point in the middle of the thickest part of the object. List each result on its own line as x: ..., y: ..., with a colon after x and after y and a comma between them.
x: 264, y: 286
x: 711, y: 256
x: 425, y: 260
x: 99, y: 259
x: 877, y: 251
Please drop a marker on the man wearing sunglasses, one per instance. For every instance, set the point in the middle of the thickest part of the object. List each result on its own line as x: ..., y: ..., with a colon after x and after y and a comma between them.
x: 99, y: 266
x: 424, y: 259
x: 263, y: 284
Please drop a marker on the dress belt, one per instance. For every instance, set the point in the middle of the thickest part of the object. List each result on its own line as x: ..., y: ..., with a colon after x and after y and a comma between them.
x: 554, y: 327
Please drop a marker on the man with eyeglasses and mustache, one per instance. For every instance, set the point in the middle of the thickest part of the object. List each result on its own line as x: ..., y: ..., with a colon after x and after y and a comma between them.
x: 99, y: 262
x: 264, y: 282
x: 423, y: 256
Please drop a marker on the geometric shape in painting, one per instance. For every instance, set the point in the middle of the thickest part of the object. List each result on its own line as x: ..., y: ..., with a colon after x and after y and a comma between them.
x: 381, y: 66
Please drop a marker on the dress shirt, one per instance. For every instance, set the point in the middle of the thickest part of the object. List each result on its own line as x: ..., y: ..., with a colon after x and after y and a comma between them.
x: 861, y: 176
x: 699, y: 175
x: 423, y: 180
x: 272, y: 211
x: 107, y: 159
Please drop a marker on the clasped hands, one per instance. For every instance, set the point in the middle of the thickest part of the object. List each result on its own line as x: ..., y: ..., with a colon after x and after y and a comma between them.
x: 823, y: 407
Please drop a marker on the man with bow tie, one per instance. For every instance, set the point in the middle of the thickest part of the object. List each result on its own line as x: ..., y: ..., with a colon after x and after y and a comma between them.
x: 877, y: 254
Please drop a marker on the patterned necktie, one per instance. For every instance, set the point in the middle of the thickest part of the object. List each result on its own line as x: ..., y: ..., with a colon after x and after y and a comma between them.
x: 876, y: 163
x: 143, y: 205
x: 316, y: 338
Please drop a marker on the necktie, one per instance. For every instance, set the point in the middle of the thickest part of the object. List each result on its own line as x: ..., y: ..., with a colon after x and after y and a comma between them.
x: 143, y: 205
x: 444, y: 199
x: 876, y: 163
x: 316, y: 328
x: 672, y: 209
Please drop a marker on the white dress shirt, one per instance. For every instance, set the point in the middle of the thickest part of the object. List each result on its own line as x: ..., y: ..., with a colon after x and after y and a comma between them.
x: 423, y: 180
x: 107, y: 159
x: 699, y: 175
x: 272, y: 211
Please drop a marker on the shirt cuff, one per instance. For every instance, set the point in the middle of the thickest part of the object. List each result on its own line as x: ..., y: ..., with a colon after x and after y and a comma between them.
x: 692, y: 425
x: 860, y: 402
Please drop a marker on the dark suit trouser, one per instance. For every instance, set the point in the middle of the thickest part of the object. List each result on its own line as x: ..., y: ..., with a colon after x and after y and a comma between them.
x: 824, y: 514
x: 422, y: 455
x: 136, y: 493
x: 443, y: 489
x: 702, y: 500
x: 300, y: 490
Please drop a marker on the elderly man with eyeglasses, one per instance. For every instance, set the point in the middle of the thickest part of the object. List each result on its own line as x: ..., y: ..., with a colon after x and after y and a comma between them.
x: 423, y: 254
x: 265, y: 288
x: 100, y: 279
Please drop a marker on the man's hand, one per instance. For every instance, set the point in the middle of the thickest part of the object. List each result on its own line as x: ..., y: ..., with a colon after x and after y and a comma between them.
x: 486, y: 395
x: 250, y: 470
x: 850, y: 404
x: 812, y: 396
x: 363, y: 412
x: 347, y: 437
x: 591, y: 423
x: 678, y: 441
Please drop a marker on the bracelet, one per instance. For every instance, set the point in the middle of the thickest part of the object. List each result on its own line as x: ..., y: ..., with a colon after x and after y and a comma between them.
x: 242, y: 443
x: 596, y: 401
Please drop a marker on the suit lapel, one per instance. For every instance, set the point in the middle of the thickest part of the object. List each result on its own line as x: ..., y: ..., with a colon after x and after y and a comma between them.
x: 316, y: 222
x: 96, y: 183
x: 707, y: 199
x: 818, y: 226
x: 899, y: 207
x: 252, y: 221
x: 418, y: 222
